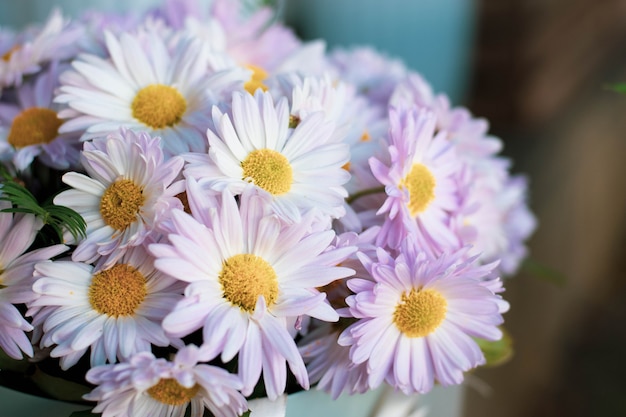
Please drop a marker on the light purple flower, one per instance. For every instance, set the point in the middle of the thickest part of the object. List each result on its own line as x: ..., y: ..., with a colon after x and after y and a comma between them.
x: 127, y: 192
x: 249, y: 275
x: 374, y: 74
x: 295, y: 170
x: 29, y: 128
x: 419, y: 181
x: 24, y: 53
x: 468, y: 133
x: 416, y: 319
x: 258, y: 41
x: 329, y: 364
x: 146, y: 386
x: 115, y: 312
x: 493, y: 215
x: 502, y: 223
x: 145, y: 85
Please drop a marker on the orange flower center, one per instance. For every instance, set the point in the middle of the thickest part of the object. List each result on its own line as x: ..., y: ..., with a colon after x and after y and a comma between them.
x: 245, y: 277
x: 169, y: 391
x: 420, y: 312
x: 34, y: 126
x: 117, y: 291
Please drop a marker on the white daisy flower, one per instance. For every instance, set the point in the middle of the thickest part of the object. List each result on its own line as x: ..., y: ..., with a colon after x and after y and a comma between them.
x: 125, y: 195
x: 149, y: 387
x: 250, y: 274
x: 114, y: 312
x: 29, y: 128
x: 294, y: 169
x: 24, y: 54
x: 145, y: 85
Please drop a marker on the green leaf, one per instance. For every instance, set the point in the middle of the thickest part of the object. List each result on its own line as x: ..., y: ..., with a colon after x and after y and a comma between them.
x: 498, y: 352
x: 61, y: 216
x: 57, y: 217
x: 20, y: 197
x: 544, y: 272
x: 246, y: 414
x: 59, y: 388
x: 619, y: 88
x: 9, y: 364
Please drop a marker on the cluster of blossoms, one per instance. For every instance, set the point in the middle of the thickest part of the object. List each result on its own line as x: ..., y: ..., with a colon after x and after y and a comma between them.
x: 260, y: 214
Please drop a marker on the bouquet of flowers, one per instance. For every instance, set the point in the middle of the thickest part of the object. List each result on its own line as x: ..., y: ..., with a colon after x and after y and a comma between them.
x: 199, y: 209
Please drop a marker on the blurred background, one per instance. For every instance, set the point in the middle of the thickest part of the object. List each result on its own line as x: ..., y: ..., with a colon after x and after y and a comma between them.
x: 537, y: 70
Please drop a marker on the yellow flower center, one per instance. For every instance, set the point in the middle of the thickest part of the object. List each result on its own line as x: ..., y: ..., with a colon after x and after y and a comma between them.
x: 120, y: 204
x: 269, y: 170
x: 117, y: 291
x: 421, y: 185
x: 7, y: 55
x: 245, y: 277
x: 159, y: 106
x: 34, y: 126
x: 169, y: 391
x: 256, y: 81
x: 420, y: 312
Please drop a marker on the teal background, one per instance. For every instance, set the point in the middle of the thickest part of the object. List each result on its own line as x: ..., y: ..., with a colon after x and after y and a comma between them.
x: 17, y: 13
x: 434, y: 37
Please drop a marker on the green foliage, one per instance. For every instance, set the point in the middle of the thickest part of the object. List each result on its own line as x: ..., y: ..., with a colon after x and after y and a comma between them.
x: 56, y: 217
x: 618, y: 88
x: 543, y: 272
x: 59, y: 388
x: 498, y: 352
x: 9, y: 364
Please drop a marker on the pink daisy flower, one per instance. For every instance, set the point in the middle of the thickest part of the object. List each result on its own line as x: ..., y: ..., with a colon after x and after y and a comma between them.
x: 264, y: 45
x: 416, y: 319
x: 114, y: 312
x: 374, y: 75
x: 469, y: 134
x: 249, y: 276
x: 419, y: 182
x: 295, y: 170
x: 25, y: 54
x: 126, y: 193
x: 29, y: 129
x: 497, y: 221
x: 493, y: 215
x: 146, y: 386
x: 145, y: 85
x: 329, y: 364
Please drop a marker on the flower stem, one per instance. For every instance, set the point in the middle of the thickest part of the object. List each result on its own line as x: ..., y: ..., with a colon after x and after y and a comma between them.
x: 363, y: 193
